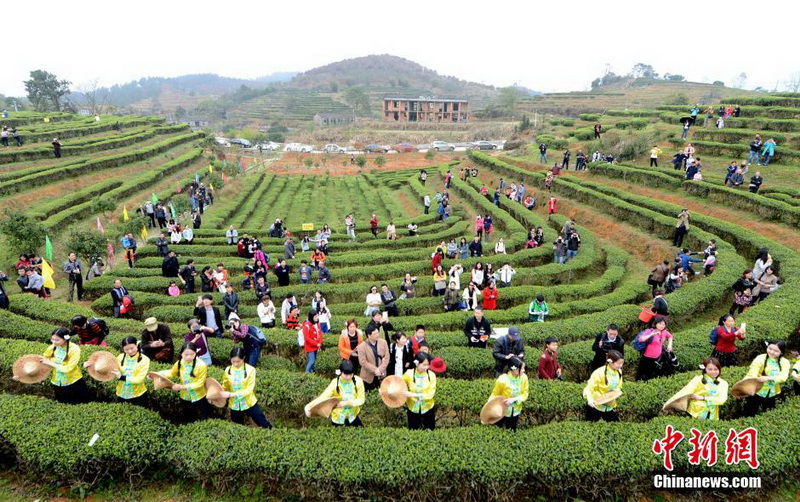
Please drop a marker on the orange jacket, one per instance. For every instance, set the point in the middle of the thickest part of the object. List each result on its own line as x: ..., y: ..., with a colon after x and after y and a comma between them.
x: 344, y: 344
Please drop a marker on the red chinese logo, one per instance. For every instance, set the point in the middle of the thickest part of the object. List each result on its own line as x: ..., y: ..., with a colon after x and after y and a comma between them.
x: 703, y: 447
x: 665, y: 446
x: 742, y: 447
x: 739, y: 447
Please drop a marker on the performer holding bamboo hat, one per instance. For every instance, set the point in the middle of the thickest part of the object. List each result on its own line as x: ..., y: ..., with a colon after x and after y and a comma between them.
x: 603, y: 390
x: 512, y: 386
x: 63, y: 357
x: 342, y: 399
x: 704, y: 394
x: 421, y: 383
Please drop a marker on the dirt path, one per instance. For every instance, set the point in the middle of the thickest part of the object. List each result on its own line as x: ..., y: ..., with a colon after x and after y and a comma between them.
x: 772, y: 231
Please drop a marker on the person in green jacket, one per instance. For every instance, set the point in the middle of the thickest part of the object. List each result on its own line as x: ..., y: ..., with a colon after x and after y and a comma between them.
x: 538, y: 309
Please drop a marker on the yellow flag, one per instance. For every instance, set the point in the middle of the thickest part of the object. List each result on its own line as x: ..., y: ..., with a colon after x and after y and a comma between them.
x: 210, y: 168
x: 211, y: 186
x: 47, y: 275
x: 144, y: 233
x: 125, y: 216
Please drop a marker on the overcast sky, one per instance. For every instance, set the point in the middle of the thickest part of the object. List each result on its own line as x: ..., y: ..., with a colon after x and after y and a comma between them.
x: 546, y: 46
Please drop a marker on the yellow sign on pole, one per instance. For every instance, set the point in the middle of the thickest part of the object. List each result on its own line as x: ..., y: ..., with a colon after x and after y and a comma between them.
x: 308, y: 226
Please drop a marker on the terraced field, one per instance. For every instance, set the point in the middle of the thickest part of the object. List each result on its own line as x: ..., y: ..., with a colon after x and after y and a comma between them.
x: 555, y: 454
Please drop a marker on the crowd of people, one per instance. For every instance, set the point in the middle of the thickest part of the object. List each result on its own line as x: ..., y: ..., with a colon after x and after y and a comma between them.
x: 382, y: 357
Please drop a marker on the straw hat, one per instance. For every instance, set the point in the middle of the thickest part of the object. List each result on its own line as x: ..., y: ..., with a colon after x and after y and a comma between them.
x: 494, y: 410
x: 159, y: 381
x: 611, y: 396
x: 101, y: 364
x: 392, y: 389
x: 680, y: 401
x: 28, y: 369
x: 151, y: 324
x: 746, y: 387
x: 213, y: 390
x: 321, y: 408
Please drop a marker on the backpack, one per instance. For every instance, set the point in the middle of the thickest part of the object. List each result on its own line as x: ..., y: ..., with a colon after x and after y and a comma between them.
x: 713, y: 337
x: 102, y: 324
x: 637, y: 342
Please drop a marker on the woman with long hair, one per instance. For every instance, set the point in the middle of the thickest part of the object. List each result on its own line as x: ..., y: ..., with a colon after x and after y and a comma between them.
x: 604, y: 380
x: 133, y: 369
x: 191, y: 372
x: 67, y: 380
x: 420, y: 403
x: 707, y: 391
x: 772, y: 370
x: 238, y: 387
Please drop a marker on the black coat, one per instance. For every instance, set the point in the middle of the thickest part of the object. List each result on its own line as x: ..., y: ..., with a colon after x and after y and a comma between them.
x: 200, y: 314
x: 473, y: 328
x: 408, y: 358
x: 170, y: 267
x: 660, y: 306
x: 600, y: 352
x: 504, y: 346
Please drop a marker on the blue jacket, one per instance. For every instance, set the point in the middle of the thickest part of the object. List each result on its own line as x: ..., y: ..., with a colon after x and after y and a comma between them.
x: 687, y: 260
x: 769, y: 148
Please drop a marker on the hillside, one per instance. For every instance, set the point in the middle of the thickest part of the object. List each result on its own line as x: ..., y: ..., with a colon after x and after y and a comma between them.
x: 630, y: 94
x: 387, y: 72
x: 157, y: 94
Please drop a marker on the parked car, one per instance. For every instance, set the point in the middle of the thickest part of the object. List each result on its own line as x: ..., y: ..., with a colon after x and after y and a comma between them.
x: 298, y: 147
x: 332, y: 148
x: 268, y: 146
x: 376, y: 149
x: 443, y: 146
x: 405, y: 147
x: 222, y: 141
x: 484, y: 145
x: 240, y: 141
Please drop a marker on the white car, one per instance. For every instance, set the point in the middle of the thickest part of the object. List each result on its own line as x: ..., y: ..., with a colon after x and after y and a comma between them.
x: 222, y: 141
x: 298, y: 147
x: 443, y: 146
x: 268, y: 146
x: 332, y: 148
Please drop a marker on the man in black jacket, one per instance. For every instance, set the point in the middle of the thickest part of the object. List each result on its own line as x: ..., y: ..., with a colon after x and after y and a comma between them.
x: 187, y: 275
x: 377, y: 321
x: 170, y: 265
x: 208, y: 314
x: 477, y: 329
x: 604, y: 342
x: 506, y: 347
x: 475, y: 248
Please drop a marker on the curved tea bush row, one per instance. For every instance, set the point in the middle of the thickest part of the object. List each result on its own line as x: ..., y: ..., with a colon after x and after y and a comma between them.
x: 35, y: 176
x: 569, y: 458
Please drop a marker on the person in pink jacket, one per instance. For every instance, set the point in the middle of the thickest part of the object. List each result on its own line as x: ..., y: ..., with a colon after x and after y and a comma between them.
x: 651, y: 356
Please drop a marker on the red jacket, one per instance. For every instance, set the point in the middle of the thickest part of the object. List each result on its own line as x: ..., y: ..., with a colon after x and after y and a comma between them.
x: 373, y: 223
x: 436, y: 261
x: 548, y: 366
x: 551, y: 206
x: 312, y: 337
x: 490, y: 298
x: 726, y: 341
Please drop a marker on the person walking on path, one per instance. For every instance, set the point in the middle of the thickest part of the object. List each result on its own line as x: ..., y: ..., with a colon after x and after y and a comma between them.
x: 682, y: 228
x: 654, y: 153
x: 56, y: 148
x: 74, y: 269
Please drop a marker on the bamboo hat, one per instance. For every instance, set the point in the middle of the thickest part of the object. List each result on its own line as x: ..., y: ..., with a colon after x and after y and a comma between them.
x: 746, y: 387
x: 27, y: 369
x: 213, y: 390
x: 321, y: 407
x: 680, y: 401
x: 159, y: 381
x: 101, y: 365
x: 494, y: 410
x: 610, y: 396
x: 392, y: 391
